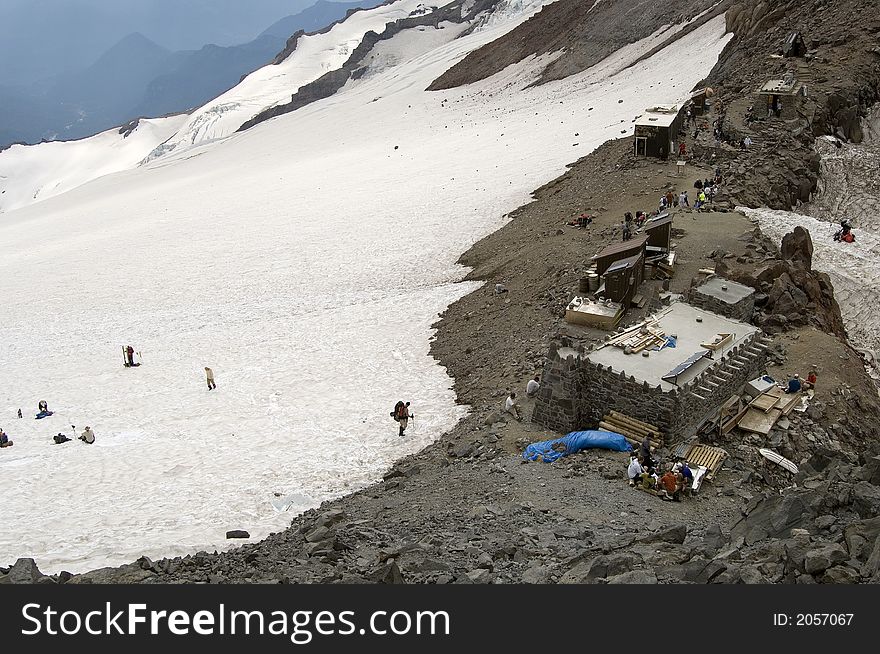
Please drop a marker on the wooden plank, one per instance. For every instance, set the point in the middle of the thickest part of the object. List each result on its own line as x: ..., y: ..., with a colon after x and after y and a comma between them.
x: 764, y: 402
x: 759, y: 422
x: 733, y: 422
x: 788, y: 402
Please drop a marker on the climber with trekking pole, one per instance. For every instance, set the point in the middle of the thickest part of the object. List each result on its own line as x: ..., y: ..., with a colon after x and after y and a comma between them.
x: 402, y: 415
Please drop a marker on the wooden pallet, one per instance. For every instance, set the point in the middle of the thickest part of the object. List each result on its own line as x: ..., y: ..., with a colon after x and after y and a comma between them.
x: 706, y: 455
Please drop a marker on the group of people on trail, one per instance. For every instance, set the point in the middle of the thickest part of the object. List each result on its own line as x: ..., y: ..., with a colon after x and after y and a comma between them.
x: 676, y: 478
x: 581, y: 221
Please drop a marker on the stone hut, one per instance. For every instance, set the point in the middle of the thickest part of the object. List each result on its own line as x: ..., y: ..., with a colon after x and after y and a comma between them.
x: 675, y: 388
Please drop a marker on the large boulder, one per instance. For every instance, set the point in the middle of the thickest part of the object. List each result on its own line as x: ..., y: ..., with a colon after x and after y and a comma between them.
x: 24, y: 571
x: 819, y: 559
x: 674, y: 534
x: 132, y: 573
x: 776, y: 516
x: 601, y: 567
x: 866, y: 499
x: 797, y: 247
x: 861, y: 536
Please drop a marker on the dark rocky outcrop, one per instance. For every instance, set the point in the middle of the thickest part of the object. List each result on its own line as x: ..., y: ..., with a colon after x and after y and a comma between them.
x: 585, y: 32
x: 792, y: 293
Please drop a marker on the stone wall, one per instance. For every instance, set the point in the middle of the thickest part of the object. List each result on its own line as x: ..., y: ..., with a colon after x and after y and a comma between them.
x: 742, y: 310
x: 576, y: 393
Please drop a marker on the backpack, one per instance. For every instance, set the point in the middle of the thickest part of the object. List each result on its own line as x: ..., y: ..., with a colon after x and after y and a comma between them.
x: 396, y: 411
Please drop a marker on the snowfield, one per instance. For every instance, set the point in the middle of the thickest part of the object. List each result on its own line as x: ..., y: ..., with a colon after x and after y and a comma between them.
x: 31, y: 173
x: 305, y: 261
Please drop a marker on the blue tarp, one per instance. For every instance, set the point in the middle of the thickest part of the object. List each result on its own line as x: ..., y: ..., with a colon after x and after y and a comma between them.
x: 575, y: 442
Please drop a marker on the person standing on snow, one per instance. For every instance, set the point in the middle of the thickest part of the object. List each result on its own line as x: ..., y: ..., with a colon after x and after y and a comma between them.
x: 402, y: 416
x: 209, y: 376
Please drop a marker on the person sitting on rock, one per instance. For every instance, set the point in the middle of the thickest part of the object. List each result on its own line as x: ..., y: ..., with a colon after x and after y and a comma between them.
x: 794, y: 384
x: 811, y: 380
x: 635, y: 470
x: 533, y: 386
x: 511, y: 406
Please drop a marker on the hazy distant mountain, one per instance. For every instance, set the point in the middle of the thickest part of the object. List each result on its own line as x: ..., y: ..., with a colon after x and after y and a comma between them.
x: 316, y: 17
x: 44, y: 38
x: 104, y: 93
x: 135, y: 76
x: 192, y: 78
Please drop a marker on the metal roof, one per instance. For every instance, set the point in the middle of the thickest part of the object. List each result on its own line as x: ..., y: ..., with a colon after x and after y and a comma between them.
x: 659, y: 116
x: 623, y: 264
x: 780, y: 87
x: 659, y: 222
x: 634, y: 243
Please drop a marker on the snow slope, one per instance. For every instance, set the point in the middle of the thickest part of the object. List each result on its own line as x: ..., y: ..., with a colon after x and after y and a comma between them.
x: 30, y: 173
x: 274, y: 84
x: 305, y: 261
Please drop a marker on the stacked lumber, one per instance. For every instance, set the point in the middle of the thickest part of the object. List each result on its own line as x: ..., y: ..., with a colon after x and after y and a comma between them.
x: 641, y: 338
x: 634, y: 431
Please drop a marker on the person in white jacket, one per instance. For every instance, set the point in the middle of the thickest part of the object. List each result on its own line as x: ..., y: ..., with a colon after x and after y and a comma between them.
x: 634, y: 471
x: 511, y: 407
x: 533, y: 386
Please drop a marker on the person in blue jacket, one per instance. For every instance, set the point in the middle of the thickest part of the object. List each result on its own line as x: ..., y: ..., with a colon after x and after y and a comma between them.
x: 794, y: 384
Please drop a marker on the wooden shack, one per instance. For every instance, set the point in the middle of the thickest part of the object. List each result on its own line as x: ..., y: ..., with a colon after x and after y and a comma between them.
x: 659, y: 233
x: 656, y: 131
x: 617, y: 251
x: 623, y: 277
x: 698, y: 101
x: 783, y: 97
x: 794, y: 45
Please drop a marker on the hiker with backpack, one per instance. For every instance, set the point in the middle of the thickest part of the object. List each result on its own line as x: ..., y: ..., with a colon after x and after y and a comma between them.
x: 401, y: 415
